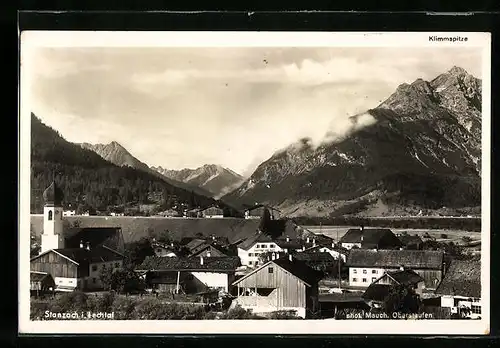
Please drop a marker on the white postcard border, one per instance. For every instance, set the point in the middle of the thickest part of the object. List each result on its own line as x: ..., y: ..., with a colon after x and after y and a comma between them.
x: 30, y: 39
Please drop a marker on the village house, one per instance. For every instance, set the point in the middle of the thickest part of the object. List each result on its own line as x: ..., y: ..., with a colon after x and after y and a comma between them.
x: 250, y: 249
x: 460, y: 289
x: 257, y: 211
x: 282, y: 283
x: 193, y: 213
x: 212, y: 212
x: 378, y: 291
x: 164, y: 250
x: 335, y: 250
x: 322, y: 262
x: 192, y: 275
x: 77, y: 268
x: 370, y: 238
x: 69, y: 213
x: 368, y: 265
x: 74, y: 257
x: 202, y: 247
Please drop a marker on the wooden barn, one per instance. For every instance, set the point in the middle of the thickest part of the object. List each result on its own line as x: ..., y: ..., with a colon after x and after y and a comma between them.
x: 281, y: 284
x: 76, y: 268
x: 367, y: 265
x: 191, y: 275
x: 370, y: 238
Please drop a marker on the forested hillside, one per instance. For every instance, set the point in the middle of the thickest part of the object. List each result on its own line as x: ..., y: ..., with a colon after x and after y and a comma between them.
x: 89, y: 181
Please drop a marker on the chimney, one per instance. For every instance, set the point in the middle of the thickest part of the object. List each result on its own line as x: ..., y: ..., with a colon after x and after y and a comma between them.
x: 277, y: 256
x: 172, y: 244
x: 362, y: 228
x: 314, y: 242
x: 303, y: 248
x: 201, y: 260
x: 273, y: 256
x: 307, y: 241
x: 87, y: 246
x: 290, y: 257
x: 401, y: 268
x: 362, y: 238
x: 333, y: 244
x: 287, y: 239
x: 208, y: 253
x: 213, y: 237
x: 81, y: 244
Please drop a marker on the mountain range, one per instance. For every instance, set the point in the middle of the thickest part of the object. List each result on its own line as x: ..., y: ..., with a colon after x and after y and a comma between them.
x: 421, y: 151
x: 209, y: 180
x: 211, y: 177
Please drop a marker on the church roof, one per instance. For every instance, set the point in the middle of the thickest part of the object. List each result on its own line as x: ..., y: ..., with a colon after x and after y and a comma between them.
x: 53, y: 195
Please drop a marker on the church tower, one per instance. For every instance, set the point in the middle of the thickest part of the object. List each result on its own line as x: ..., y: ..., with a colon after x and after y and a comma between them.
x: 52, y: 236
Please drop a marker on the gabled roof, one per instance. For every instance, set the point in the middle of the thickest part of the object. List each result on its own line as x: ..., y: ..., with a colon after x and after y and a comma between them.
x: 412, y: 259
x: 371, y: 236
x: 222, y: 264
x: 38, y: 276
x: 211, y: 207
x: 295, y: 267
x: 94, y: 255
x: 463, y: 278
x: 405, y: 277
x: 291, y: 245
x: 256, y: 238
x: 261, y: 206
x: 336, y: 248
x: 195, y: 243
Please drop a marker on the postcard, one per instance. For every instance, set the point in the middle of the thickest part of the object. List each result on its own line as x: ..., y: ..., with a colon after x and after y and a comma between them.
x: 254, y: 183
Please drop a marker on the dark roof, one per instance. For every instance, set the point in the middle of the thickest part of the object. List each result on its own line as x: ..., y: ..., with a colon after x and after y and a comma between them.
x: 314, y: 257
x: 371, y: 236
x: 344, y: 297
x: 226, y: 263
x: 377, y: 292
x: 337, y: 248
x: 463, y: 278
x: 406, y: 239
x: 300, y: 269
x: 405, y: 277
x: 250, y: 241
x: 291, y: 245
x: 261, y: 206
x: 96, y: 236
x: 94, y: 255
x: 53, y: 195
x: 195, y: 243
x: 413, y: 259
x: 38, y: 276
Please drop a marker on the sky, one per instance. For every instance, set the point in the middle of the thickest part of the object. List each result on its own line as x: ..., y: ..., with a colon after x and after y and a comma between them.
x: 185, y: 107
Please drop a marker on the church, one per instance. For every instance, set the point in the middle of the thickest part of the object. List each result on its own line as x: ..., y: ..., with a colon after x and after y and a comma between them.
x: 74, y: 257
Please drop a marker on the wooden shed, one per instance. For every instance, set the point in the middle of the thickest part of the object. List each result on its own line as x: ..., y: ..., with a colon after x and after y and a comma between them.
x: 280, y: 284
x: 41, y: 283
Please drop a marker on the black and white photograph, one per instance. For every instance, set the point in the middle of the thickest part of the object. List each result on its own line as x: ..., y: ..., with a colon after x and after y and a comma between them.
x: 254, y: 182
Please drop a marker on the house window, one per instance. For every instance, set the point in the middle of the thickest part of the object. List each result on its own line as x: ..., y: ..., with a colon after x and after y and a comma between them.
x: 476, y: 309
x: 374, y: 271
x: 373, y: 279
x: 257, y: 246
x: 50, y: 215
x: 250, y: 263
x: 355, y: 271
x: 272, y: 246
x: 94, y: 268
x: 364, y: 271
x: 270, y: 270
x: 354, y: 279
x: 364, y: 280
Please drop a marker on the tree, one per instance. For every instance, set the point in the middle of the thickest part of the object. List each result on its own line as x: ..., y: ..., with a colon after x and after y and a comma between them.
x: 121, y: 280
x: 401, y: 299
x: 265, y: 221
x: 136, y: 252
